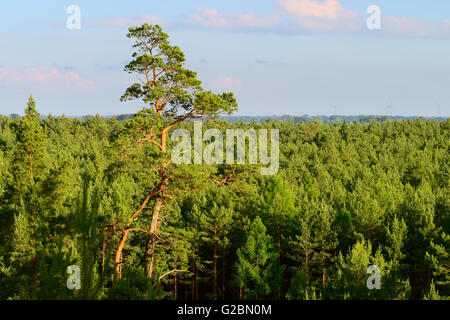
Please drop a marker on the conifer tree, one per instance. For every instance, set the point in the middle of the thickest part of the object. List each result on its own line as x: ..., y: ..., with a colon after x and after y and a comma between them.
x: 439, y: 259
x: 173, y: 95
x: 348, y: 279
x: 300, y: 288
x: 23, y: 255
x: 419, y: 209
x: 254, y: 266
x: 277, y: 209
x: 326, y: 239
x: 216, y: 221
x: 433, y: 294
x: 29, y: 223
x: 86, y: 221
x: 396, y: 236
x: 32, y: 143
x: 303, y: 243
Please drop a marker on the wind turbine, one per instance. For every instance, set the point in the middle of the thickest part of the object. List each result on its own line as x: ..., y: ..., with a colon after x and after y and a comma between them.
x: 389, y: 108
x: 438, y: 107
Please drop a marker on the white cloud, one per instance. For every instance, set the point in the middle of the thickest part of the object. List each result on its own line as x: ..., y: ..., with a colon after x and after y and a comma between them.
x: 212, y: 18
x: 330, y: 15
x: 121, y: 21
x: 308, y: 15
x: 227, y: 82
x: 40, y: 75
x: 402, y: 26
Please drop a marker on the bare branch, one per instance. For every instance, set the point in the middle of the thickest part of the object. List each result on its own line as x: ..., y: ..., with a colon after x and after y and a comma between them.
x: 169, y: 272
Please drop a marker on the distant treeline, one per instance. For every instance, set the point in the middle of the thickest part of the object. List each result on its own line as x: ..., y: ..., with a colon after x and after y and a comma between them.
x: 286, y: 118
x: 327, y: 119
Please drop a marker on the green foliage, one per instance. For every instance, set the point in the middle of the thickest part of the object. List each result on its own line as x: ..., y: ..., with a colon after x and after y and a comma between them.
x: 439, y: 259
x: 349, y: 278
x: 86, y: 222
x: 433, y: 294
x: 396, y: 236
x: 299, y: 288
x: 133, y: 286
x: 172, y: 92
x: 346, y: 196
x: 256, y: 261
x: 30, y: 154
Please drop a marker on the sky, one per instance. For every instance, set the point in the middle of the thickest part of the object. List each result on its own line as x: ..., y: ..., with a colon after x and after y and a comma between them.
x: 296, y: 57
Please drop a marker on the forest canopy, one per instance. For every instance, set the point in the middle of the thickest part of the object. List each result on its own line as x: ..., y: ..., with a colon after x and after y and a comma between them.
x: 346, y: 196
x: 102, y: 194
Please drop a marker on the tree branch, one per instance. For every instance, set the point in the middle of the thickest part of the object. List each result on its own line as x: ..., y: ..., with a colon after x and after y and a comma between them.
x: 169, y: 272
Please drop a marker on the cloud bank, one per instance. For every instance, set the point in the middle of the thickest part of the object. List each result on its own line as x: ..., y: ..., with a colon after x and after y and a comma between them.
x: 327, y: 16
x: 45, y: 76
x: 125, y: 22
x: 212, y: 18
x: 289, y: 16
x: 402, y: 26
x: 226, y: 82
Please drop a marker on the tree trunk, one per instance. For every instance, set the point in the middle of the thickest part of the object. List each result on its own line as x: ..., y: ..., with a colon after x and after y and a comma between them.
x: 163, y: 141
x: 279, y: 252
x: 196, y: 283
x: 324, y: 268
x: 214, y: 283
x: 324, y: 274
x: 33, y: 277
x: 223, y: 274
x: 103, y: 253
x: 118, y: 256
x: 175, y: 286
x: 152, y: 237
x: 30, y: 156
x: 307, y: 262
x: 84, y: 268
x: 193, y: 280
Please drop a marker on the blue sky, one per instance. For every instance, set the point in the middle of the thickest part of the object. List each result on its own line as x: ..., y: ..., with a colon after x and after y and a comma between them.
x: 278, y: 56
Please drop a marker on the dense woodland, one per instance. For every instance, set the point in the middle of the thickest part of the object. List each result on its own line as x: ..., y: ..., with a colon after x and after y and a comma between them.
x: 102, y: 194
